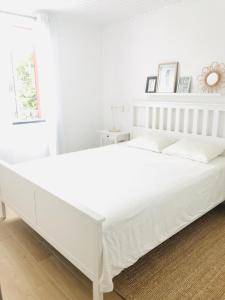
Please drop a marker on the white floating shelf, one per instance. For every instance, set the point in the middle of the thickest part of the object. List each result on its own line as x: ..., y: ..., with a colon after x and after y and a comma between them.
x: 183, y: 94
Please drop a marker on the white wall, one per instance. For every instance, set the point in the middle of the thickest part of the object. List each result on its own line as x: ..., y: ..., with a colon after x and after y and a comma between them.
x: 104, y: 66
x: 79, y: 45
x: 190, y: 32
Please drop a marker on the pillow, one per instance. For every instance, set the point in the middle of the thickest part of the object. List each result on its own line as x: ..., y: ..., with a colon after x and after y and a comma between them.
x: 196, y: 149
x: 153, y: 142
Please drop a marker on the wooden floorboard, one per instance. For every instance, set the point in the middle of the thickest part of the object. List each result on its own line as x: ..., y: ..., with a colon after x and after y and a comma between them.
x: 30, y: 269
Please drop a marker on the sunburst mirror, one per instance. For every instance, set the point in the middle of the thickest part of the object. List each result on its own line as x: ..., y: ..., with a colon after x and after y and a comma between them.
x: 212, y: 78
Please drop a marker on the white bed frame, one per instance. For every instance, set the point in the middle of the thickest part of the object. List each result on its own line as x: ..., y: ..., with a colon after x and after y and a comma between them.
x: 77, y: 232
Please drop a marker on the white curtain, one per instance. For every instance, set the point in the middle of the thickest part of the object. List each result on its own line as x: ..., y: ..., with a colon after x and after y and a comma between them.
x: 25, y: 142
x: 5, y: 103
x: 48, y: 74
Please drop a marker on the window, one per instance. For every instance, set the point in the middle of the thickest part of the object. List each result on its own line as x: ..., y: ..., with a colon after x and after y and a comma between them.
x: 24, y: 76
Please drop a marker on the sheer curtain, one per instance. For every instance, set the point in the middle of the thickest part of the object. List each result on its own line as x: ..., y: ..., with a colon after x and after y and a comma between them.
x: 48, y: 76
x: 13, y: 147
x: 25, y: 142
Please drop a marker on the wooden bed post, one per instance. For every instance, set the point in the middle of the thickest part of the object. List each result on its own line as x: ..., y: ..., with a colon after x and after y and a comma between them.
x: 97, y: 294
x: 2, y: 211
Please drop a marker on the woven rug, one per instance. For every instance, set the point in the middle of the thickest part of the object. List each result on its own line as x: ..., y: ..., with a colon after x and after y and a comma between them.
x: 190, y: 265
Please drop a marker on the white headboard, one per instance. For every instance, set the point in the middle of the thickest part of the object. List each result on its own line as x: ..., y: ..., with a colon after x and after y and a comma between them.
x: 181, y: 118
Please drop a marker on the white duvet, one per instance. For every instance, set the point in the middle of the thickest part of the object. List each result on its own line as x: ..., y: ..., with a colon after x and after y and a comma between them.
x: 145, y: 197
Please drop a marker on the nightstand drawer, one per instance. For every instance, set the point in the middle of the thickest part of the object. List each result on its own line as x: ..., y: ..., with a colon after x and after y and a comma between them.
x: 107, y: 140
x: 123, y: 137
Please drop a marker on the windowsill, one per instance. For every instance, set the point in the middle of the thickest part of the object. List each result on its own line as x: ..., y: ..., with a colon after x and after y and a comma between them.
x: 29, y: 122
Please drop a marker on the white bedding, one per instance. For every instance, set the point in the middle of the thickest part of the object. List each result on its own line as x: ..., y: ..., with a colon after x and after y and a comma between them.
x: 145, y: 197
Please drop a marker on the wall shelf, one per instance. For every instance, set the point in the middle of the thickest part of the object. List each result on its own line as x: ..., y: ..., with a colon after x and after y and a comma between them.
x: 185, y: 97
x: 183, y: 94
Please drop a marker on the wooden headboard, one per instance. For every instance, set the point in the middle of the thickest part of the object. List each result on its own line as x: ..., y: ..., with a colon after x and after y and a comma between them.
x: 181, y: 118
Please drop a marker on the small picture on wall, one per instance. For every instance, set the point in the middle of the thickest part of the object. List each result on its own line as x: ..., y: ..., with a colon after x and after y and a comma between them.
x: 167, y: 77
x: 184, y: 85
x: 151, y: 84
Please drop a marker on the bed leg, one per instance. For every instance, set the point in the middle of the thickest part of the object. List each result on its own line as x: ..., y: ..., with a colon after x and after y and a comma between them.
x: 97, y: 294
x: 2, y: 211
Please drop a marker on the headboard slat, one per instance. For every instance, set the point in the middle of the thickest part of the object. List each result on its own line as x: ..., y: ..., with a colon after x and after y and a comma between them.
x: 169, y: 118
x: 147, y: 117
x: 215, y: 123
x: 195, y: 121
x: 177, y: 119
x: 161, y: 122
x: 186, y: 119
x: 205, y: 121
x: 154, y: 115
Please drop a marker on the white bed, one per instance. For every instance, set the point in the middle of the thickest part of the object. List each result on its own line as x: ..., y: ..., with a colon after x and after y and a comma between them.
x: 105, y: 208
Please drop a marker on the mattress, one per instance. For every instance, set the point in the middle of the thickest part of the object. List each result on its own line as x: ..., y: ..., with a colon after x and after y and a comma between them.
x: 144, y: 196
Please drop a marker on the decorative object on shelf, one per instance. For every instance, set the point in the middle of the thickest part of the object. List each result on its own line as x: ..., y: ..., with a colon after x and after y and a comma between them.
x: 167, y: 77
x: 116, y: 109
x: 212, y: 78
x: 151, y: 84
x: 184, y: 85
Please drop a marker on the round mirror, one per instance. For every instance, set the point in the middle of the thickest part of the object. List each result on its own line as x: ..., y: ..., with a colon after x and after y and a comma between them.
x: 213, y: 78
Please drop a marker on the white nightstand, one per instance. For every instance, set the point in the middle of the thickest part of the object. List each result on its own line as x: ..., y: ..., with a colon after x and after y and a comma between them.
x: 109, y: 138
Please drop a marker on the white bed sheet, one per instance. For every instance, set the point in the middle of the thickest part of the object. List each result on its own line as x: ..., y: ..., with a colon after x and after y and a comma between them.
x: 145, y: 197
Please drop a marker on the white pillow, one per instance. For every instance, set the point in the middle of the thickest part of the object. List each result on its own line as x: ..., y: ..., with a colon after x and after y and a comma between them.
x: 196, y: 149
x: 153, y: 142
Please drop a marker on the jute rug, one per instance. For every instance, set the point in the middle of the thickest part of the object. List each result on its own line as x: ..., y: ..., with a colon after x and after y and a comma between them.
x: 190, y: 265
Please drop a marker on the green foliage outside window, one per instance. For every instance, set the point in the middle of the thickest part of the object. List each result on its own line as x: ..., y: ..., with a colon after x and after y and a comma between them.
x: 25, y: 88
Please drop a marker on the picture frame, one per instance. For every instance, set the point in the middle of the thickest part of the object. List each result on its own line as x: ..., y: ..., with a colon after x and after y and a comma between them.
x: 184, y: 84
x: 151, y: 84
x: 167, y: 77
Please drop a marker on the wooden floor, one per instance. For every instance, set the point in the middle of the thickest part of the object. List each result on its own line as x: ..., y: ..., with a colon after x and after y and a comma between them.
x: 32, y: 270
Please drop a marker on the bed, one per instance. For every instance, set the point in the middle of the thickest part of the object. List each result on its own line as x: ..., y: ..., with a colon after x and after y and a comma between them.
x: 105, y: 208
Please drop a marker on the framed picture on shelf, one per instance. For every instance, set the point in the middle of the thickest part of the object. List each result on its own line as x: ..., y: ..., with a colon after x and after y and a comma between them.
x: 151, y: 84
x: 167, y: 77
x: 184, y: 85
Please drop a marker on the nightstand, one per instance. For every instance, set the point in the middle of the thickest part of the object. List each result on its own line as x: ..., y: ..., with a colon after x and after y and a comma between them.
x: 109, y: 138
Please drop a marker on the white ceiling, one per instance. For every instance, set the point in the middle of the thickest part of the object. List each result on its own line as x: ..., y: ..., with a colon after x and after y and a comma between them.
x: 103, y: 11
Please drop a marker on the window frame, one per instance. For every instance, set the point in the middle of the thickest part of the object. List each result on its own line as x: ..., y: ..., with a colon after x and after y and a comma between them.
x: 18, y: 121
